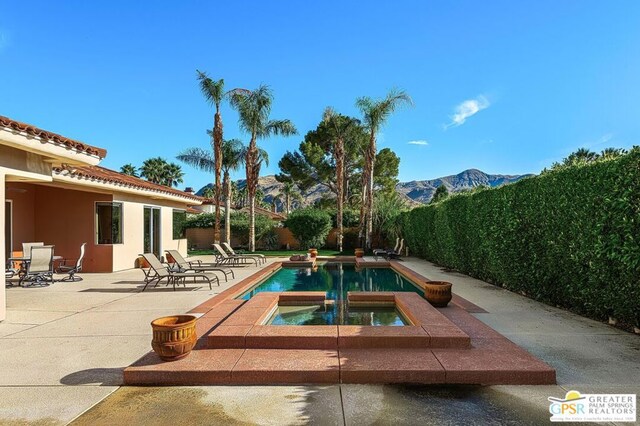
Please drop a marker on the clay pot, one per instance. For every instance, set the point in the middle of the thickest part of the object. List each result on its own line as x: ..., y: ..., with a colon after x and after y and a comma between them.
x: 313, y: 252
x: 438, y: 293
x: 359, y: 252
x: 142, y: 263
x: 174, y: 336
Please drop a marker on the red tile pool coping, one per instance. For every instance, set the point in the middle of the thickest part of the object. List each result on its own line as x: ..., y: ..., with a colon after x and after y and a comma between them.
x: 443, y: 345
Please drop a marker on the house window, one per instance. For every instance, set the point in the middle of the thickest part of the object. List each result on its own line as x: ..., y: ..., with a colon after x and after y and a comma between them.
x: 179, y: 218
x: 109, y: 223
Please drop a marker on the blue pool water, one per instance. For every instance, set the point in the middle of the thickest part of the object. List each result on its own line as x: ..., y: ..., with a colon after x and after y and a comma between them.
x: 328, y: 315
x: 336, y: 279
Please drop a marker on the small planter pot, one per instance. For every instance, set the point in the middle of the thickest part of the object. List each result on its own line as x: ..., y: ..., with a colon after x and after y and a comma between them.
x: 438, y: 293
x: 359, y: 252
x: 142, y: 263
x: 313, y: 252
x: 174, y: 336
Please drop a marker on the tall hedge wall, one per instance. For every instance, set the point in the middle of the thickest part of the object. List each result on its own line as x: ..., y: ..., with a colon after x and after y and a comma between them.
x: 569, y: 237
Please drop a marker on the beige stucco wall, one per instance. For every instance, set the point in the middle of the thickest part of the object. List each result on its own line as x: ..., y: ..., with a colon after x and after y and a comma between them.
x: 125, y: 254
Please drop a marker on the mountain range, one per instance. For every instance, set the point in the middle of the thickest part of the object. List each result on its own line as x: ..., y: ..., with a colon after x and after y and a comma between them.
x: 416, y: 191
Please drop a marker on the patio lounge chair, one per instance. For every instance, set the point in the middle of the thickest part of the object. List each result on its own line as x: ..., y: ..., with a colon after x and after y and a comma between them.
x: 382, y: 252
x: 224, y: 257
x: 395, y: 254
x: 73, y: 269
x: 158, y: 272
x: 260, y: 257
x: 39, y: 270
x: 185, y: 265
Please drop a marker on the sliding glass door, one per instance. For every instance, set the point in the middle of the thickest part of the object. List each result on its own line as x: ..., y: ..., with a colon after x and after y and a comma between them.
x: 152, y: 226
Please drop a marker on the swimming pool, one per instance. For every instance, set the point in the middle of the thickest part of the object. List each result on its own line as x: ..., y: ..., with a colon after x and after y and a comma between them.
x: 336, y: 279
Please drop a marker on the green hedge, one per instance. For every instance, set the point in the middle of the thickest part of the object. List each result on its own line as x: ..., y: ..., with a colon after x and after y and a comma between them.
x: 569, y: 237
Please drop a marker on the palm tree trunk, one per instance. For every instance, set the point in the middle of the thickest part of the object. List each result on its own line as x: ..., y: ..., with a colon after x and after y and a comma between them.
x: 288, y: 202
x: 339, y: 157
x: 227, y: 208
x: 363, y: 204
x: 371, y: 159
x: 252, y: 183
x: 217, y: 156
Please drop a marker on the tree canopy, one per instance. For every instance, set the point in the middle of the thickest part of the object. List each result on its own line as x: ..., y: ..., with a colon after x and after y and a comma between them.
x: 313, y: 163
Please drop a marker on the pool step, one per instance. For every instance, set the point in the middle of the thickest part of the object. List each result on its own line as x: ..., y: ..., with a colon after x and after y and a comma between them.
x: 509, y: 365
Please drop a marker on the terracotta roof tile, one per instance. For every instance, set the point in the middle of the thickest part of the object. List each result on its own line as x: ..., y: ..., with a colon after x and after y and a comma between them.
x: 111, y: 176
x: 52, y: 137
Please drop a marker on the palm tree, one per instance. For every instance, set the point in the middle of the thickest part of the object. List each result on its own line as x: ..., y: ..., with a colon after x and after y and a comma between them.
x: 580, y: 156
x: 375, y: 113
x: 232, y: 159
x: 340, y: 125
x: 213, y: 92
x: 611, y: 153
x: 153, y: 170
x: 208, y: 192
x: 254, y: 108
x: 129, y: 169
x: 290, y: 193
x: 173, y: 175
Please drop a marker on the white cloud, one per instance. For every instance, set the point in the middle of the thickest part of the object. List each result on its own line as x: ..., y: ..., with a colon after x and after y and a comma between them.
x: 604, y: 139
x: 418, y: 142
x: 467, y: 109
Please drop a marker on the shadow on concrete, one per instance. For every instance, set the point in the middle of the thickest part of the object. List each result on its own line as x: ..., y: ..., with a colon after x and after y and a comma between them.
x: 139, y: 289
x: 95, y: 376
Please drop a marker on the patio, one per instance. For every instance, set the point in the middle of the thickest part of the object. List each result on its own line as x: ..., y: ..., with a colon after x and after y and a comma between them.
x: 76, y: 338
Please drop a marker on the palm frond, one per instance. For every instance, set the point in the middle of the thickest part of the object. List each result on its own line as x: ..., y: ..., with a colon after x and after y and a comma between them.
x: 199, y: 158
x: 212, y: 90
x: 278, y: 127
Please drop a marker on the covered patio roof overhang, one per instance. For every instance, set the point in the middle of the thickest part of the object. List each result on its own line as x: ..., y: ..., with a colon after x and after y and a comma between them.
x: 29, y: 154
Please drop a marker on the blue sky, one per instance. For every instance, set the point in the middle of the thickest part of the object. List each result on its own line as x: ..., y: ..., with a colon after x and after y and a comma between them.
x: 503, y: 86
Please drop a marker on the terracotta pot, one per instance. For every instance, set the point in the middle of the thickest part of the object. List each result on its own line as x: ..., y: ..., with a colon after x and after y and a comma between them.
x: 438, y: 293
x: 174, y: 336
x: 142, y: 263
x: 359, y: 252
x: 313, y: 252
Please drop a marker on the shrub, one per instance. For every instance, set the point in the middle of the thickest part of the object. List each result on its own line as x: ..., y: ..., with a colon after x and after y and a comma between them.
x: 240, y: 226
x: 202, y: 220
x: 310, y: 226
x: 569, y: 237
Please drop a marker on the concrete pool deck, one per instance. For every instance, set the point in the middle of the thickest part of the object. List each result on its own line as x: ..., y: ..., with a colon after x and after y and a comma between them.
x: 74, y: 362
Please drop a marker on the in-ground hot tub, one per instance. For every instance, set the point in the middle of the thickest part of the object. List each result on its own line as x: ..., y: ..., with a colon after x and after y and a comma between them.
x: 330, y: 315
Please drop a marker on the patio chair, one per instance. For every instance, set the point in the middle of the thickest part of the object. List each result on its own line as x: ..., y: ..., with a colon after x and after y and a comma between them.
x: 382, y: 252
x: 72, y: 269
x: 396, y: 254
x: 26, y: 248
x: 261, y: 257
x: 185, y: 265
x: 224, y: 257
x: 40, y: 267
x: 158, y: 272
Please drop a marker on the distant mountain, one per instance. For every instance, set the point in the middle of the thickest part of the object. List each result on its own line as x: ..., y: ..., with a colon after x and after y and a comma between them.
x: 423, y: 190
x: 416, y: 192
